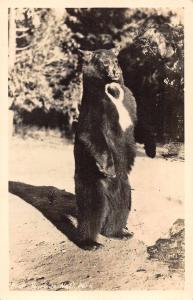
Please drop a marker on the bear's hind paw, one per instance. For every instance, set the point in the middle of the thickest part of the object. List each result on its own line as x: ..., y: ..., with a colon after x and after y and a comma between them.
x: 90, y: 245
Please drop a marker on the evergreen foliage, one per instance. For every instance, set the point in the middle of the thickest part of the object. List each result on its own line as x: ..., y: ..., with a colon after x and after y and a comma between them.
x: 45, y: 75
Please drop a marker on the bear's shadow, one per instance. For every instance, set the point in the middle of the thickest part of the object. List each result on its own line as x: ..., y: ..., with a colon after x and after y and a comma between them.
x: 58, y: 206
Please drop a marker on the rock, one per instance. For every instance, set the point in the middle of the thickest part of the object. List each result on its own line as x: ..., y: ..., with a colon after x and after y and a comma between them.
x: 170, y: 250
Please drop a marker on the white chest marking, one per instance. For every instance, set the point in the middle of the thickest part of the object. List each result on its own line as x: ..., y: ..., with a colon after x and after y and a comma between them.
x: 124, y: 116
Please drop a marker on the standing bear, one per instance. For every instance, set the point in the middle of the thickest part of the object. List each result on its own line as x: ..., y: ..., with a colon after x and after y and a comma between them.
x: 104, y: 149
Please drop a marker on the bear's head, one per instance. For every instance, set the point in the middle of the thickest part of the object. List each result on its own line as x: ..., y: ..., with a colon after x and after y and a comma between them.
x: 102, y: 64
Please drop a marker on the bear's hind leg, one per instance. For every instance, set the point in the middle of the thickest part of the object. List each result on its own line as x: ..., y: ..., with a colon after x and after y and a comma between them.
x: 91, y: 216
x: 119, y: 207
x: 88, y: 229
x: 115, y: 225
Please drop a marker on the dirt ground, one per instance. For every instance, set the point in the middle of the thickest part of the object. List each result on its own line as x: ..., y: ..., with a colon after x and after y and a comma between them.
x: 43, y: 258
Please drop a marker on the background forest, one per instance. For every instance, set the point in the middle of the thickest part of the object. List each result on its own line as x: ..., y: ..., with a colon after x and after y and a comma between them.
x: 45, y: 67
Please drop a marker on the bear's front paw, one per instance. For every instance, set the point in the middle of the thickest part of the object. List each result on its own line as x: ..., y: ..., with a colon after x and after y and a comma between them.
x: 107, y: 172
x: 106, y: 166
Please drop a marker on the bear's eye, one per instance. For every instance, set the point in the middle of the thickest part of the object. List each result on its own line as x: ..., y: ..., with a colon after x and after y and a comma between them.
x: 116, y: 60
x: 106, y: 62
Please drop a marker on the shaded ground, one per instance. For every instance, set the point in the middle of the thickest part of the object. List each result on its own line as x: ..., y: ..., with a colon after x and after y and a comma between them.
x: 43, y: 252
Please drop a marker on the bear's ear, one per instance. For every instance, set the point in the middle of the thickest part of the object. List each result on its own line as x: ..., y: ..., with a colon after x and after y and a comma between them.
x: 87, y: 55
x: 116, y: 50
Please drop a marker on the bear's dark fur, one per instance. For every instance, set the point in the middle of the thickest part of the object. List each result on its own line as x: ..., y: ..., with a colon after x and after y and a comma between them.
x: 104, y: 151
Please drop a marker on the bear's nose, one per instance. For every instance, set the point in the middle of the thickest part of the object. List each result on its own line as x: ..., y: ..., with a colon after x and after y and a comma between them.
x: 116, y: 74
